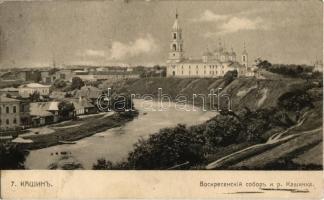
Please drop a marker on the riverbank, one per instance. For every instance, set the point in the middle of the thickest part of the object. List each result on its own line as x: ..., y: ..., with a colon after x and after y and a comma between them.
x: 85, y: 129
x: 114, y: 144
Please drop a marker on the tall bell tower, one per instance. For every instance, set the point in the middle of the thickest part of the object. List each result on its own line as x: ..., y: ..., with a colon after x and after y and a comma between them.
x: 245, y: 60
x: 176, y: 46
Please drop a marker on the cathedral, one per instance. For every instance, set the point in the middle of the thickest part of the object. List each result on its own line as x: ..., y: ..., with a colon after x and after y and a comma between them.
x: 212, y: 63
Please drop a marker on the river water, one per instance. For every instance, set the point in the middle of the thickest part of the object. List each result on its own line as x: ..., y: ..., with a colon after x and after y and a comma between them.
x: 114, y: 144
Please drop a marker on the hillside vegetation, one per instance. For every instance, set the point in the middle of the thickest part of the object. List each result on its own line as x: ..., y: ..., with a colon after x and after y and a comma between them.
x: 244, y: 92
x: 279, y: 119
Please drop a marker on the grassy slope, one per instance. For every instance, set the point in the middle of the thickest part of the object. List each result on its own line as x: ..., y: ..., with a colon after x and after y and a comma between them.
x: 312, y: 157
x: 290, y: 149
x: 297, y: 147
x: 190, y: 86
x: 244, y: 93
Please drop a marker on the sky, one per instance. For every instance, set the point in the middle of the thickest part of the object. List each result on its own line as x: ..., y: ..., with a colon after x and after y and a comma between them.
x: 135, y: 32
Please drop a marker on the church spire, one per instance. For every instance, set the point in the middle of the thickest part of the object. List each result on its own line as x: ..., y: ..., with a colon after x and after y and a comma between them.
x: 176, y: 46
x: 176, y: 25
x: 244, y: 48
x: 245, y: 56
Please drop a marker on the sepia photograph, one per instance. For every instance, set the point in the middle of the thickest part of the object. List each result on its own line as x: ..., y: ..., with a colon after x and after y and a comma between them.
x: 161, y: 85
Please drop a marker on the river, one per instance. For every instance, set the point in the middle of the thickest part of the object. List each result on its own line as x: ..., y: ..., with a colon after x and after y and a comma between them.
x: 114, y: 144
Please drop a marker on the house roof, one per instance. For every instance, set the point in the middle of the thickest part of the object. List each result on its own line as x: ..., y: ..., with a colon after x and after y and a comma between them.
x: 81, y: 103
x: 53, y: 106
x: 57, y: 95
x: 34, y: 85
x: 3, y: 98
x: 9, y: 89
x: 43, y: 108
x: 89, y: 92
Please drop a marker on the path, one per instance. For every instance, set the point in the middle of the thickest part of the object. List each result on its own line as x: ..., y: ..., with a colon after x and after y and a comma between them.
x: 276, y: 138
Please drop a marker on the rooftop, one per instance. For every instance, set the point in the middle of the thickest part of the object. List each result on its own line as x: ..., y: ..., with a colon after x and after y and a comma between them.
x: 43, y: 108
x: 9, y: 89
x: 34, y: 85
x: 6, y: 99
x: 81, y: 103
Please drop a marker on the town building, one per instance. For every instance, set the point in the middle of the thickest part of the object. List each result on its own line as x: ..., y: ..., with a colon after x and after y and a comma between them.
x: 49, y: 76
x: 318, y: 66
x: 43, y: 113
x: 116, y: 75
x: 11, y: 91
x: 212, y: 63
x: 9, y: 113
x: 88, y: 92
x: 112, y: 73
x: 82, y: 106
x: 26, y: 90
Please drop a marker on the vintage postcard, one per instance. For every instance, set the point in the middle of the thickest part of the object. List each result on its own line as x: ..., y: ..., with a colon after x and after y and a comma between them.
x: 161, y: 99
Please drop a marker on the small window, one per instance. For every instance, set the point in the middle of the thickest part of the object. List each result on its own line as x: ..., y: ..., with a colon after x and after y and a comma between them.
x: 174, y: 47
x: 7, y: 109
x: 174, y: 36
x: 7, y: 121
x: 15, y: 121
x: 14, y: 109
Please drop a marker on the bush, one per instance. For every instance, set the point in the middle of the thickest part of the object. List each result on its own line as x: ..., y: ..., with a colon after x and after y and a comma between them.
x: 59, y: 83
x: 11, y: 157
x: 229, y: 77
x: 168, y: 147
x: 77, y: 83
x: 102, y: 164
x: 295, y: 100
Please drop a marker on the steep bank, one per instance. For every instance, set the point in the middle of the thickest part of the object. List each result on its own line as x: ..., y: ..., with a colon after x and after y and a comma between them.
x: 244, y: 92
x: 275, y: 108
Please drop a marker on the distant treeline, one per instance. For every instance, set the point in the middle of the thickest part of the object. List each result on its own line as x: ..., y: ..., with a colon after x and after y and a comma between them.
x: 291, y: 70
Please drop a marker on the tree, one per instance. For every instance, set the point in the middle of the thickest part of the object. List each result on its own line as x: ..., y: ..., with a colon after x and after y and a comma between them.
x: 229, y: 77
x: 263, y: 64
x: 223, y: 130
x: 11, y: 156
x: 168, y: 147
x: 65, y: 109
x: 59, y: 83
x: 102, y: 164
x: 77, y: 83
x: 34, y: 97
x: 295, y: 100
